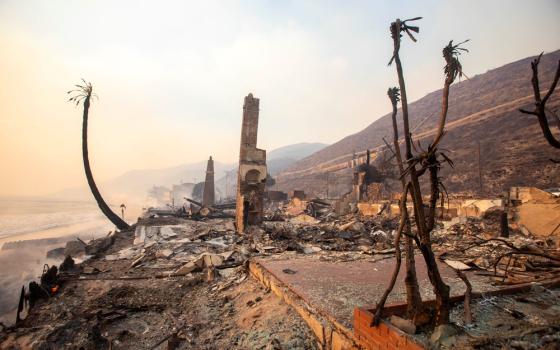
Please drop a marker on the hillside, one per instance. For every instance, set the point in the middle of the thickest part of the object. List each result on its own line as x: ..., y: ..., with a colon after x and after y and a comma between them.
x: 283, y: 157
x: 296, y: 151
x: 482, y: 109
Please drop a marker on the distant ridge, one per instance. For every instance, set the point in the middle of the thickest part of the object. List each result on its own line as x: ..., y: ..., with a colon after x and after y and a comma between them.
x: 134, y: 184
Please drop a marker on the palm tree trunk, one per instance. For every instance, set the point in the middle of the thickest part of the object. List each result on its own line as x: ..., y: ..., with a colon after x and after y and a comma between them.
x: 441, y: 290
x: 397, y: 268
x: 413, y: 297
x: 114, y: 218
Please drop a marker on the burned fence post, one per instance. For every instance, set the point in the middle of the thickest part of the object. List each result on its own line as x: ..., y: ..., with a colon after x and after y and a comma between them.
x: 504, y: 232
x: 251, y: 176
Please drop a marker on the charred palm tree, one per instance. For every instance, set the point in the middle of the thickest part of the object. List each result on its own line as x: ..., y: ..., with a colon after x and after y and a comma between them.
x: 85, y: 93
x: 428, y: 160
x: 414, y: 299
x: 433, y: 158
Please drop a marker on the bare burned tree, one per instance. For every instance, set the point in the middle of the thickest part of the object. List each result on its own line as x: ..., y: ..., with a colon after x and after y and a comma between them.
x: 429, y: 160
x: 540, y: 103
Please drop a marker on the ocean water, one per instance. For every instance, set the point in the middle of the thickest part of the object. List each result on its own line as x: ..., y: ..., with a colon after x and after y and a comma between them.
x: 23, y: 219
x: 35, y: 219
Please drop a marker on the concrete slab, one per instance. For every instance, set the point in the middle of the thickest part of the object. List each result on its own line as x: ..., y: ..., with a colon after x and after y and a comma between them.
x: 336, y: 288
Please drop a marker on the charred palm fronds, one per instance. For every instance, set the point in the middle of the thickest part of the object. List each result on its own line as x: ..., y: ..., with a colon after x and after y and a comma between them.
x: 85, y: 93
x: 453, y: 68
x: 540, y: 103
x: 433, y: 159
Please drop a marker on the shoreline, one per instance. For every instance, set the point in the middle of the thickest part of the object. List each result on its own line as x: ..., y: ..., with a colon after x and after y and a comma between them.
x: 75, y: 229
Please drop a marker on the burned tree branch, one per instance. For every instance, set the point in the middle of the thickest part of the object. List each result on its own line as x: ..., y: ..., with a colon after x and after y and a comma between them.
x: 522, y: 252
x: 524, y: 111
x: 424, y: 225
x: 540, y: 103
x: 389, y: 147
x: 414, y: 299
x: 536, y: 251
x: 402, y: 224
x: 553, y: 85
x: 513, y: 251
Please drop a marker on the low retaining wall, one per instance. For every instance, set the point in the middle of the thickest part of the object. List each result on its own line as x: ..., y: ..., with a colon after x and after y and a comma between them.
x: 329, y: 333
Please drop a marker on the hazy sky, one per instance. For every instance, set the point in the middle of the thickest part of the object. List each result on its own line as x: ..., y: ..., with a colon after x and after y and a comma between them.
x: 171, y: 75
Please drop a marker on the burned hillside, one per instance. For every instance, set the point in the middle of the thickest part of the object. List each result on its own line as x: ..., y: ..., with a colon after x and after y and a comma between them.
x: 483, y: 114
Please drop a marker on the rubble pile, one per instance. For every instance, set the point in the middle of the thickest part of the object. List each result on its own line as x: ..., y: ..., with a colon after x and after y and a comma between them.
x: 118, y: 287
x: 519, y: 321
x: 516, y: 259
x: 169, y: 283
x: 304, y: 234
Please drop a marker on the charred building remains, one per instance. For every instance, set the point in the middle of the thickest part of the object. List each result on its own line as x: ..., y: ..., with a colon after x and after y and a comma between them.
x: 367, y: 181
x: 251, y: 176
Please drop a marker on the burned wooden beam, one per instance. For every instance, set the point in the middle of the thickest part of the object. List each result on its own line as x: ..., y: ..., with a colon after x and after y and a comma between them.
x: 194, y: 202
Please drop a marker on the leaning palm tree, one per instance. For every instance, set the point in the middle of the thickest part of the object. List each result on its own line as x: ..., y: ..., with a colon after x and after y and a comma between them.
x: 85, y: 93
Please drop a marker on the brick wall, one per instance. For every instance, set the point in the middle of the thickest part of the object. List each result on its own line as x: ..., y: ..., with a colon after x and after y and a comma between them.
x: 383, y: 336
